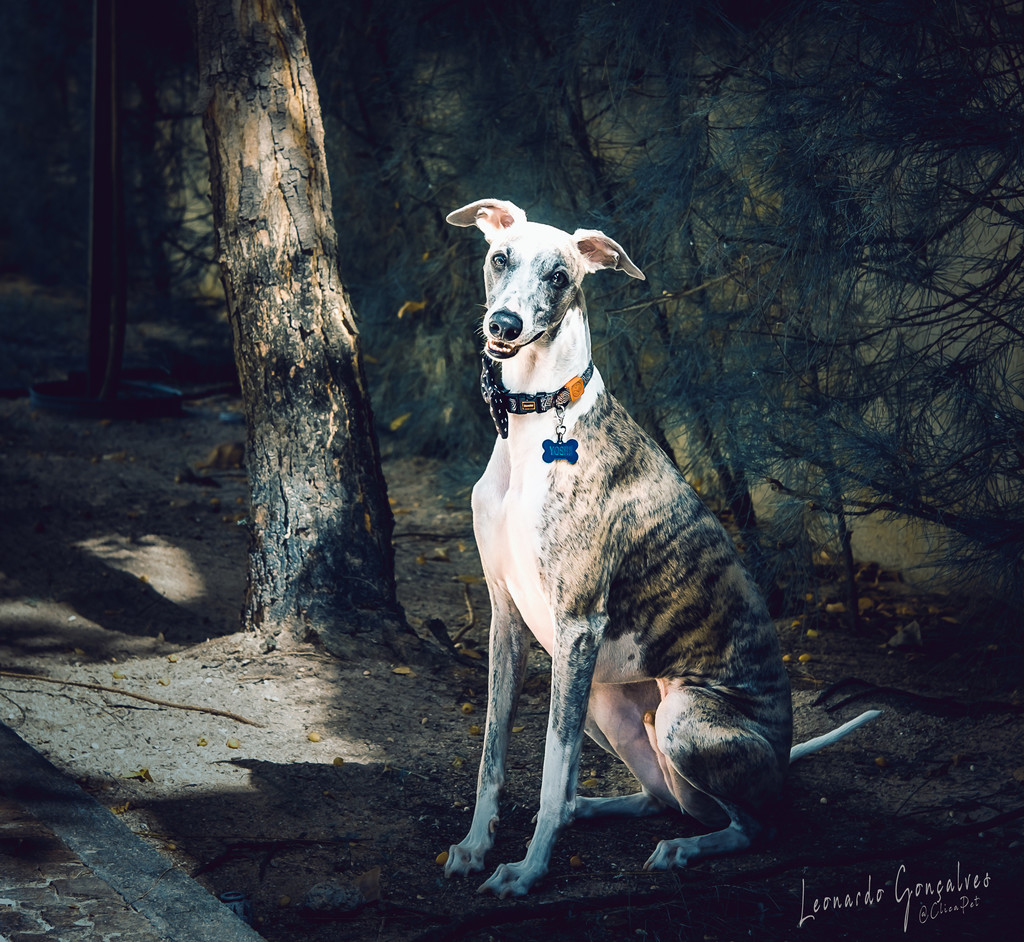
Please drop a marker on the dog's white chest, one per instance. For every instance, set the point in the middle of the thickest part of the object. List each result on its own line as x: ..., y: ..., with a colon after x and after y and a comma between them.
x: 509, y: 523
x: 521, y: 566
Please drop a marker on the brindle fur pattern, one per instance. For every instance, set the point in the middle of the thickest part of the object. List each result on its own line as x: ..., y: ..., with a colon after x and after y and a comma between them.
x: 662, y: 648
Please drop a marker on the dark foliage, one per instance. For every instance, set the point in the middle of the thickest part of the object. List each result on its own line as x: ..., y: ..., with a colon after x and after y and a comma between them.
x: 826, y: 199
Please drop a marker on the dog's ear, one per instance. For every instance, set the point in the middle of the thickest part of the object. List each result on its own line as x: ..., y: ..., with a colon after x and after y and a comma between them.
x: 599, y: 252
x: 491, y: 217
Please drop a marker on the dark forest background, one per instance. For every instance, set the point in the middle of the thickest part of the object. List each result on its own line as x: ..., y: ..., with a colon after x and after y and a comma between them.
x: 827, y: 200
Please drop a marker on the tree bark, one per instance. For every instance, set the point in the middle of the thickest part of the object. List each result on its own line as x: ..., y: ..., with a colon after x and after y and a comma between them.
x: 320, y: 557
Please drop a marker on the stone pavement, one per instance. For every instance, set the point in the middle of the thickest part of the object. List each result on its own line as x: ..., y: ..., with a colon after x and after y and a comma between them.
x: 70, y: 871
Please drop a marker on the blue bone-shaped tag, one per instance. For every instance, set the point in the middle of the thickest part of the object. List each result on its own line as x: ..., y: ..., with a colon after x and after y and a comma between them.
x: 561, y: 451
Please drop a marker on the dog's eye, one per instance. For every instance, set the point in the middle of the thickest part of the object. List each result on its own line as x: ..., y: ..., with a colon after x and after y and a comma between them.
x: 559, y: 279
x: 499, y: 261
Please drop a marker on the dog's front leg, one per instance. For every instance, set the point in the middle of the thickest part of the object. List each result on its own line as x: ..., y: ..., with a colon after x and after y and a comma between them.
x: 573, y: 661
x: 509, y: 645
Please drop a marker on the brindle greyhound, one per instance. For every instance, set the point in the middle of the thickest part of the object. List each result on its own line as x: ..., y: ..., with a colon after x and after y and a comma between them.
x: 661, y: 645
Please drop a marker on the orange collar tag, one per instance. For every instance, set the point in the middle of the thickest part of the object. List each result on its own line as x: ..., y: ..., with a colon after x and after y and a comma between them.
x: 575, y: 387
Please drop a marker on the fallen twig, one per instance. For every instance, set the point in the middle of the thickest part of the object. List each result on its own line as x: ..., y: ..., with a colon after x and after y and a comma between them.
x: 472, y: 616
x: 137, y: 696
x: 437, y: 628
x: 939, y: 706
x: 267, y: 849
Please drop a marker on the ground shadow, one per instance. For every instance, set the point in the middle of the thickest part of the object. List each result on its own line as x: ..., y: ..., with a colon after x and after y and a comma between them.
x: 308, y: 824
x: 102, y: 529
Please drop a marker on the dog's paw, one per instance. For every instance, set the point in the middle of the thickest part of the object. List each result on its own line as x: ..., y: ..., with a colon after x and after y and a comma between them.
x: 464, y: 858
x: 511, y: 880
x: 670, y: 854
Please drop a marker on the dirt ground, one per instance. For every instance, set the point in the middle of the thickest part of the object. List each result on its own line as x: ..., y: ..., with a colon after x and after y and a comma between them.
x: 122, y: 565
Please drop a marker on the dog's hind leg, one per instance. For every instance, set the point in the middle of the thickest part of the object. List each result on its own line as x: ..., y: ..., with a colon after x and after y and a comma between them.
x: 509, y: 645
x: 640, y: 804
x: 615, y: 721
x: 722, y: 765
x: 738, y: 835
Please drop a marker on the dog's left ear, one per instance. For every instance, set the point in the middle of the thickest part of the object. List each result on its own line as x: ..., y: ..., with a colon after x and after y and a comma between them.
x: 491, y: 217
x: 599, y: 252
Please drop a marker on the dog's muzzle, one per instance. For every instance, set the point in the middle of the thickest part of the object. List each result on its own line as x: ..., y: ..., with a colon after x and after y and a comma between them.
x: 504, y: 329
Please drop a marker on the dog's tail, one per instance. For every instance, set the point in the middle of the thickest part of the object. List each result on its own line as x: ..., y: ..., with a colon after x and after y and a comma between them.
x: 820, y: 742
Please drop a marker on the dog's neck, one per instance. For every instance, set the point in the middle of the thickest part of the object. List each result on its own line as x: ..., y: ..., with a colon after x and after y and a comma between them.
x: 548, y: 364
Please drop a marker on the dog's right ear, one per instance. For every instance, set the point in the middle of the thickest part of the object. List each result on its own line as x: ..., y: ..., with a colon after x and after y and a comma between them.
x: 491, y: 217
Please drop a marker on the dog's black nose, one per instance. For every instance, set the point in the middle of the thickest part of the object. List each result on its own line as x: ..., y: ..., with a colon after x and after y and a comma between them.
x: 504, y: 325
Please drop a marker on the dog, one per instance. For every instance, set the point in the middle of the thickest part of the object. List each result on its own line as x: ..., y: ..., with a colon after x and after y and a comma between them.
x: 661, y: 645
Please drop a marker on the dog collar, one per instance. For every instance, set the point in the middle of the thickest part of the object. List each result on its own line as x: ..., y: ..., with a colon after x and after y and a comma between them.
x: 502, y: 402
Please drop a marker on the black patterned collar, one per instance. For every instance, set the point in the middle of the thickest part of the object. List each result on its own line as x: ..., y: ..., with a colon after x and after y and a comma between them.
x: 502, y: 402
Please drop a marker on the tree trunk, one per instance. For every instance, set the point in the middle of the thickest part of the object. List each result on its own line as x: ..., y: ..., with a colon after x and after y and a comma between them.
x: 320, y: 557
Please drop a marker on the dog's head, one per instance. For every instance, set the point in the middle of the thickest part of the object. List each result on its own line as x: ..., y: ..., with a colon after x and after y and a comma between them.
x: 533, y: 272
